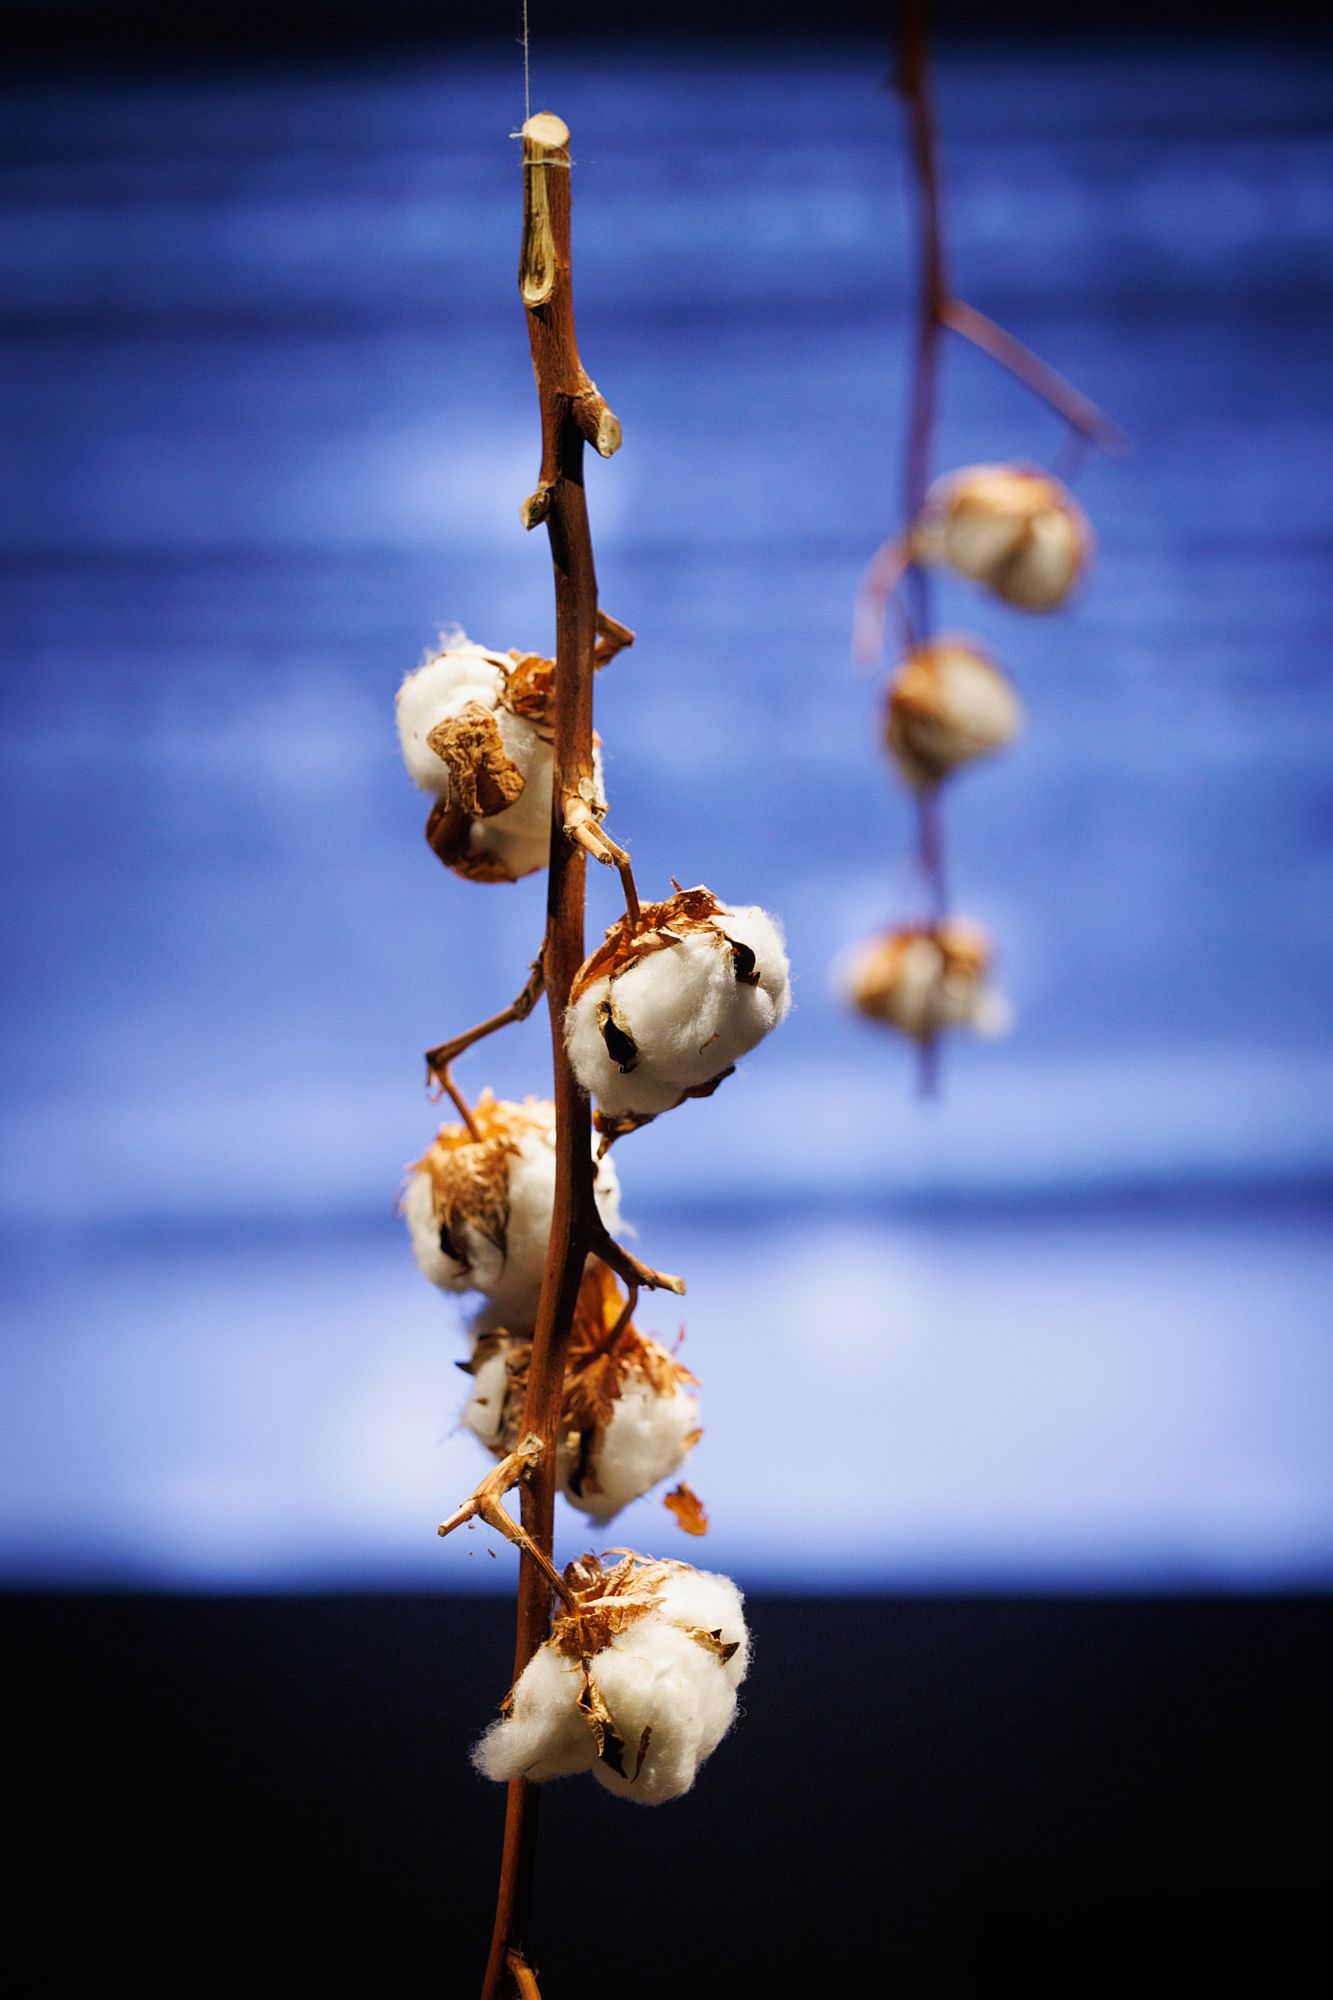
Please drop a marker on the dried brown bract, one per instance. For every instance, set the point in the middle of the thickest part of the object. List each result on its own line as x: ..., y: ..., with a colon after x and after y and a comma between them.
x: 483, y: 778
x: 689, y: 1510
x: 478, y: 1204
x: 469, y: 1178
x: 689, y: 913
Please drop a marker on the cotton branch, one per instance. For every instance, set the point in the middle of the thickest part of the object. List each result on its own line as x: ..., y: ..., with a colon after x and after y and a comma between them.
x: 938, y: 310
x: 898, y: 571
x: 438, y: 1059
x: 443, y: 1054
x: 573, y: 413
x: 1078, y: 411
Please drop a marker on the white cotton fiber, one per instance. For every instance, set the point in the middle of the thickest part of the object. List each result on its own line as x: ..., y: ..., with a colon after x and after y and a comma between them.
x: 647, y: 1439
x: 544, y: 1735
x: 681, y: 1015
x: 662, y: 1681
x: 485, y: 1413
x: 418, y: 1208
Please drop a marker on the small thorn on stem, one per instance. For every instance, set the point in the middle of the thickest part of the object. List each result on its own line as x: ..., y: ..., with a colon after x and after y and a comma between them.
x: 537, y: 506
x: 612, y: 638
x: 597, y: 420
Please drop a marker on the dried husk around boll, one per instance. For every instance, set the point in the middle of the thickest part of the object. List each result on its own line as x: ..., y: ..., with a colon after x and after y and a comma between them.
x: 949, y: 703
x: 923, y: 979
x: 477, y: 730
x: 469, y: 1179
x: 1013, y: 528
x: 611, y: 1369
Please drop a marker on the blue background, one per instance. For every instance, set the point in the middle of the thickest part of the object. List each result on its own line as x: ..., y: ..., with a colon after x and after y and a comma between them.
x: 268, y: 416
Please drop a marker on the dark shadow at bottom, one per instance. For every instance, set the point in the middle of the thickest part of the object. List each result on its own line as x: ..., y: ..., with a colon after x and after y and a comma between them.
x: 923, y: 1795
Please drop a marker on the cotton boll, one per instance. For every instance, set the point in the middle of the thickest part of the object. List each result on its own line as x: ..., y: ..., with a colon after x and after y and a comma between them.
x: 948, y: 703
x: 652, y: 1663
x: 1013, y: 528
x: 645, y: 1440
x: 924, y: 980
x: 669, y: 1696
x: 663, y: 1009
x: 628, y: 1418
x: 660, y: 1676
x: 436, y: 693
x: 476, y: 730
x: 479, y: 1211
x: 417, y: 1206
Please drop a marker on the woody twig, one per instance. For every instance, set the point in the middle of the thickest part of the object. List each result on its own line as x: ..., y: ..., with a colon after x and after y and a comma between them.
x: 573, y: 413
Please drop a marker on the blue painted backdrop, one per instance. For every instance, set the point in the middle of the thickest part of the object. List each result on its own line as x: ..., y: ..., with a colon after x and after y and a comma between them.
x: 268, y: 418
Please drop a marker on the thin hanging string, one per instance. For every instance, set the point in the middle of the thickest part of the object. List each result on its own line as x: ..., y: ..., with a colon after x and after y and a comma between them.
x: 527, y: 98
x: 527, y: 88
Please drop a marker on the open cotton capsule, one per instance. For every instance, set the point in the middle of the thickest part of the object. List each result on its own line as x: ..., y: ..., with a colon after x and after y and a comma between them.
x: 1015, y: 529
x: 479, y: 1210
x: 665, y: 1007
x: 637, y: 1683
x: 628, y: 1419
x: 924, y: 979
x: 476, y: 732
x: 948, y: 704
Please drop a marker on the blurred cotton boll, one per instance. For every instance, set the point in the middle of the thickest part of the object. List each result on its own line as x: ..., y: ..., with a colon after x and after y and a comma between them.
x: 479, y: 1210
x: 665, y: 1007
x: 639, y: 1687
x: 1013, y: 528
x: 949, y: 703
x: 923, y: 980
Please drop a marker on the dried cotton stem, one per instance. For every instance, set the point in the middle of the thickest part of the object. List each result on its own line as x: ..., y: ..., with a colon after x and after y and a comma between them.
x: 572, y: 413
x: 898, y: 571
